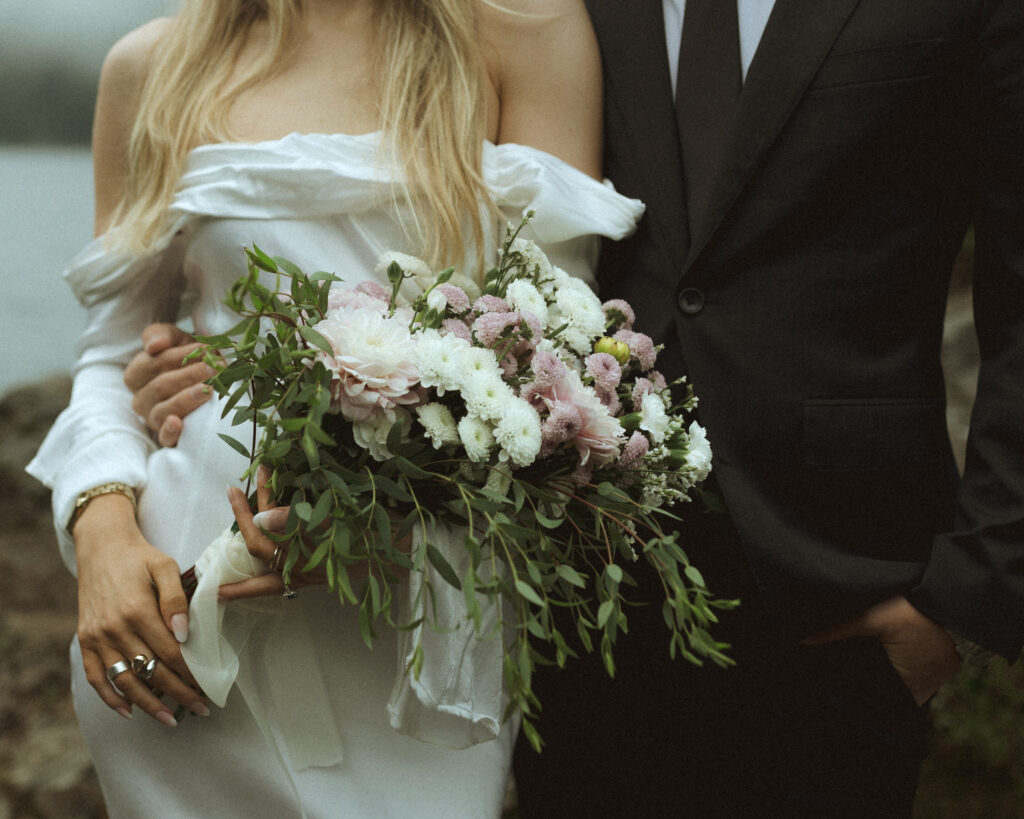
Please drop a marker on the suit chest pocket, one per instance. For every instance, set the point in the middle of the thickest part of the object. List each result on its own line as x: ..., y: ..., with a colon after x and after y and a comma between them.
x: 900, y: 62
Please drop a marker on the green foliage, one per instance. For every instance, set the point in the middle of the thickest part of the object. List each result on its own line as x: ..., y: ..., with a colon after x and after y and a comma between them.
x: 554, y: 554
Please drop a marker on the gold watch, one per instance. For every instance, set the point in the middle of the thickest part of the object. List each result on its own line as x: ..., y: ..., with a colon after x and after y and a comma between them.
x: 111, y: 488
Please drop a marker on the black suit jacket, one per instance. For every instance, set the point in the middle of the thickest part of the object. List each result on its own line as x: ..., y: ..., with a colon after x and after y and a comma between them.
x: 808, y: 302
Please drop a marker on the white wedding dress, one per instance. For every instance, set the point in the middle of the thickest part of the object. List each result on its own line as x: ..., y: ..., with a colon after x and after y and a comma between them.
x: 318, y: 200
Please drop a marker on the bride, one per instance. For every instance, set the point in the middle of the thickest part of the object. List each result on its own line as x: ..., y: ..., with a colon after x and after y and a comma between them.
x: 327, y: 131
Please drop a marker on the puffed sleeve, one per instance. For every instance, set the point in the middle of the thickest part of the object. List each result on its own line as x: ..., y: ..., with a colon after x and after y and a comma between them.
x: 573, y: 211
x: 98, y: 438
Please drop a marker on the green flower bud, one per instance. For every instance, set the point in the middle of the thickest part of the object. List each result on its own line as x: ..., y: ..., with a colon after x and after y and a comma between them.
x: 618, y: 350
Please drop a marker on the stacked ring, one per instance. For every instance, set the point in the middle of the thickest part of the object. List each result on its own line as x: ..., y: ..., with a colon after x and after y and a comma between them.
x: 116, y: 669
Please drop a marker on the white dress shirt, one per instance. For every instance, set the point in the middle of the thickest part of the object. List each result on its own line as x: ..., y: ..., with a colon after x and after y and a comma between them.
x: 753, y: 15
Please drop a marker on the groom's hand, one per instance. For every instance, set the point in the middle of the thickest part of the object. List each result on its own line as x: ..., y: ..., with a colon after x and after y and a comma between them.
x: 920, y: 650
x: 164, y: 390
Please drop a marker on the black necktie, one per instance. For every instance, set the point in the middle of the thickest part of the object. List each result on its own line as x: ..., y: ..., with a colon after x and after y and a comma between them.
x: 707, y: 88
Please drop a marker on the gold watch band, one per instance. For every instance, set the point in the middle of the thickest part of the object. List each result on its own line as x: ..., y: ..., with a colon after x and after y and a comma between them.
x: 111, y: 488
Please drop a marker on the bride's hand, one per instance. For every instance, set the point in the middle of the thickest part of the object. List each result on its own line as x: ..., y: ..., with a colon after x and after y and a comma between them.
x: 254, y: 528
x: 130, y: 602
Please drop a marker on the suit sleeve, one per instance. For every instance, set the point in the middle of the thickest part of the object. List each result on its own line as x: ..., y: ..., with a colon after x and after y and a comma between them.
x: 974, y: 581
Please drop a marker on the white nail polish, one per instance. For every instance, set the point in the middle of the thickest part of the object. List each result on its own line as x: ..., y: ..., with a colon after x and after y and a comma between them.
x: 179, y: 624
x: 124, y: 712
x: 199, y: 709
x: 167, y: 718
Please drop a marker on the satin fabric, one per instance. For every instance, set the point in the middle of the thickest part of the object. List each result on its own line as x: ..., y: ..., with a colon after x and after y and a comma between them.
x: 322, y: 202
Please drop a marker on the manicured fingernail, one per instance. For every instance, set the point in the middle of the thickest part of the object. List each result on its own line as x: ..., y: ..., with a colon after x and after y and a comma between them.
x: 262, y: 519
x: 124, y: 712
x: 179, y: 624
x: 199, y: 709
x: 167, y: 718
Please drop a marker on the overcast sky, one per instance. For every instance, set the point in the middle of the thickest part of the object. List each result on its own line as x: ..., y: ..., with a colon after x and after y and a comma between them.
x: 75, y: 32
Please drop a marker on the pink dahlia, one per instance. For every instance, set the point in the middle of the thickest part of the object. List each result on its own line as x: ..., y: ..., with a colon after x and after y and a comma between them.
x: 372, y: 363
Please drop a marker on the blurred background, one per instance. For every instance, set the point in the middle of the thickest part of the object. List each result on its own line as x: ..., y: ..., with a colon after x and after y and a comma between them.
x: 50, y: 56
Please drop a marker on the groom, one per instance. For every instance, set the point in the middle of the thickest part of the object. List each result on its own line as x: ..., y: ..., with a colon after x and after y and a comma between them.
x: 810, y: 168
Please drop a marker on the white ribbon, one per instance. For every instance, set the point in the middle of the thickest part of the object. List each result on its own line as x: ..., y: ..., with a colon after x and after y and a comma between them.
x: 265, y: 646
x: 270, y: 658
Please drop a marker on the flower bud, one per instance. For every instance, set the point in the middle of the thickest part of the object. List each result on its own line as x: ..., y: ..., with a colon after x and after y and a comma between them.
x: 618, y: 350
x: 436, y: 301
x: 630, y: 421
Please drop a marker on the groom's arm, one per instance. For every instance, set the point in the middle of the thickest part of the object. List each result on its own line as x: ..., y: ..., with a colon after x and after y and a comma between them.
x: 974, y: 581
x: 164, y: 389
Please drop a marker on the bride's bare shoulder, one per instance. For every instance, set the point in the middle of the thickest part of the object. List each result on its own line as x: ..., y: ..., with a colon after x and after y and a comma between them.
x: 117, y: 104
x: 543, y: 59
x: 125, y: 64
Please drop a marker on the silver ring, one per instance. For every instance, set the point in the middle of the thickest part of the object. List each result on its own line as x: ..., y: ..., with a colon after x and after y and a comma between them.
x: 117, y: 669
x: 148, y: 670
x: 289, y: 593
x: 139, y: 663
x: 276, y: 559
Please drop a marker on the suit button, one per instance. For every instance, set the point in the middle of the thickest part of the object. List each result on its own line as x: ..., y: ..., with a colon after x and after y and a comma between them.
x: 691, y: 301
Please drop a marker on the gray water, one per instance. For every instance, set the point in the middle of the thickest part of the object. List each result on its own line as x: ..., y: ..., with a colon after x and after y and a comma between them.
x: 45, y: 218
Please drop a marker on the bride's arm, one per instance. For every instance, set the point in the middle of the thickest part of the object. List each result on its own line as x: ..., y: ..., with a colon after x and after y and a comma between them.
x: 130, y: 597
x: 543, y: 60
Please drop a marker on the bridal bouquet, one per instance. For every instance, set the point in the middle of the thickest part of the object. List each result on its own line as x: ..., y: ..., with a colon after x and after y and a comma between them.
x: 524, y: 416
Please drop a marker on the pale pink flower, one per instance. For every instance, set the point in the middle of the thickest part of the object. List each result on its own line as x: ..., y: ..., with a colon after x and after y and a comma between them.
x: 372, y: 363
x: 634, y: 450
x: 456, y: 327
x: 375, y: 289
x: 490, y: 327
x: 599, y: 436
x: 490, y: 304
x: 458, y: 301
x: 641, y: 388
x: 348, y: 298
x: 620, y: 306
x: 605, y: 370
x: 660, y: 384
x: 547, y: 367
x: 641, y: 347
x: 509, y: 365
x: 562, y: 424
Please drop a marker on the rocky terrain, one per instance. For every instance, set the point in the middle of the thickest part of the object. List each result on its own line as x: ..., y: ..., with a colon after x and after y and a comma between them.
x: 976, y: 767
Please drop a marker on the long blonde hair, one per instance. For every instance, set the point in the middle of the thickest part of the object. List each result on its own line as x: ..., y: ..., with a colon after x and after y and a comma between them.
x: 432, y: 109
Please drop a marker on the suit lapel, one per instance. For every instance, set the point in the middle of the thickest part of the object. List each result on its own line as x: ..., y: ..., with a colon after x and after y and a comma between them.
x: 638, y: 85
x: 796, y: 40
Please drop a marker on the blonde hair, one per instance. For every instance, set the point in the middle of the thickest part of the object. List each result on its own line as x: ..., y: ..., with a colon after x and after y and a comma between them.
x: 432, y: 110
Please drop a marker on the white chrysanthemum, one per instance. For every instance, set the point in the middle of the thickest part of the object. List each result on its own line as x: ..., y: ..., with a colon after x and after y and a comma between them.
x: 518, y: 432
x: 479, y: 361
x: 439, y: 359
x: 698, y: 455
x: 655, y: 420
x: 439, y: 424
x: 534, y: 256
x: 372, y: 434
x: 477, y: 437
x: 580, y: 307
x: 486, y: 395
x: 524, y: 297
